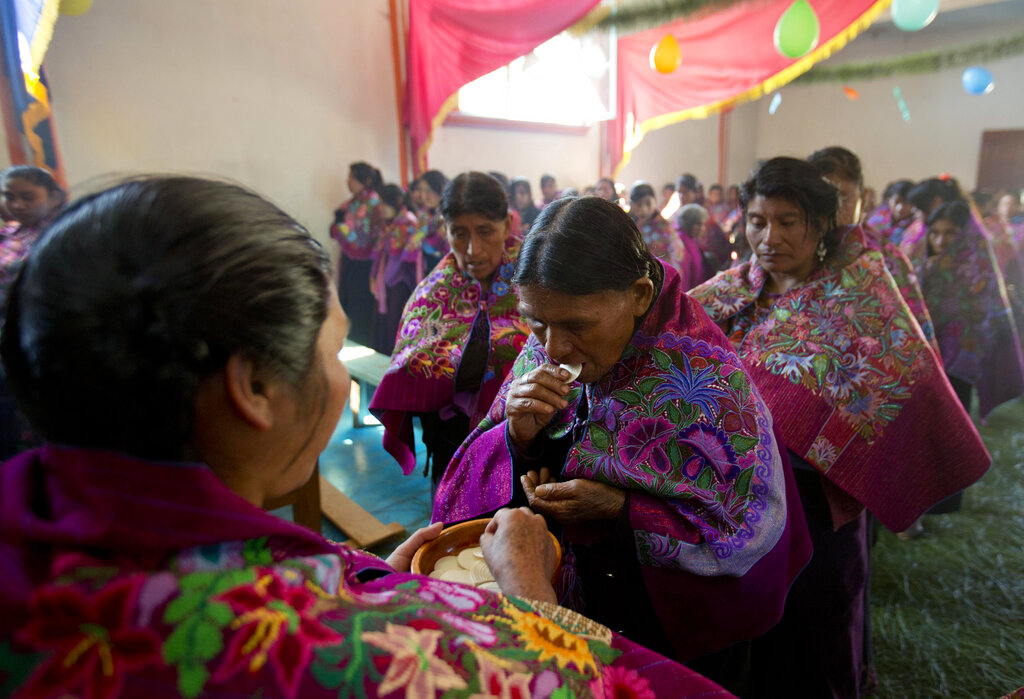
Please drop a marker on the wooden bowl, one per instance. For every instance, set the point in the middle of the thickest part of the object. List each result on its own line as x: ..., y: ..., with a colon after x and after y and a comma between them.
x: 458, y: 537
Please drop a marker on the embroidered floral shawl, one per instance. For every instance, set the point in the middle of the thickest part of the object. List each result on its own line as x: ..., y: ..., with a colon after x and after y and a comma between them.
x: 388, y: 268
x: 428, y: 240
x: 358, y: 232
x: 852, y: 382
x: 126, y: 578
x: 15, y: 243
x: 973, y: 321
x: 678, y: 424
x: 435, y: 328
x: 903, y: 273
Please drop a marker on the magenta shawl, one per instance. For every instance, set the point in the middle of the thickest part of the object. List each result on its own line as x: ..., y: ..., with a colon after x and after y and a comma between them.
x: 358, y: 232
x: 677, y: 423
x: 665, y: 244
x: 435, y: 328
x: 388, y: 268
x: 973, y: 322
x: 130, y: 578
x: 852, y: 383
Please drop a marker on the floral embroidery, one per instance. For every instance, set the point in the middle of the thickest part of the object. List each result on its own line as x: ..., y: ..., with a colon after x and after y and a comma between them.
x: 357, y: 233
x: 622, y: 683
x: 94, y: 639
x: 276, y: 623
x: 495, y: 682
x: 549, y: 640
x: 414, y: 664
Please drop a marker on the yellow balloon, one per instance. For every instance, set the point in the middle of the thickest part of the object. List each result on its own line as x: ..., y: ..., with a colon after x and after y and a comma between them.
x: 75, y: 7
x: 666, y: 55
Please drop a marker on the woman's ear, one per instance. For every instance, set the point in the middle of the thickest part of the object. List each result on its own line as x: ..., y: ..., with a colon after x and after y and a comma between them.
x: 247, y: 392
x: 641, y: 295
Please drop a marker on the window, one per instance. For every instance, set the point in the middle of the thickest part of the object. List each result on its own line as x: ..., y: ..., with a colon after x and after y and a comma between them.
x: 567, y: 81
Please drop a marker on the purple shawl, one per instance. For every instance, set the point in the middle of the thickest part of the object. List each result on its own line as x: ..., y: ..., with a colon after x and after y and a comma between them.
x: 435, y: 327
x: 852, y: 382
x: 678, y: 424
x: 124, y: 577
x: 388, y: 268
x: 974, y: 325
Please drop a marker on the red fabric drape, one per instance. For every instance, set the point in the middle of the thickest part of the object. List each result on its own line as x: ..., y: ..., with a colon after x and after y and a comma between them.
x: 452, y: 42
x: 728, y: 57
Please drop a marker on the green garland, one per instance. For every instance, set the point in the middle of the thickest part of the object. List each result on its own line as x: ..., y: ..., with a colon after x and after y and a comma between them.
x: 924, y: 62
x: 654, y: 13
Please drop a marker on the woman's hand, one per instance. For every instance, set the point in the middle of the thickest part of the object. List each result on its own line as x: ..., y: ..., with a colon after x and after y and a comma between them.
x: 533, y: 399
x: 520, y: 554
x: 401, y: 558
x: 572, y: 502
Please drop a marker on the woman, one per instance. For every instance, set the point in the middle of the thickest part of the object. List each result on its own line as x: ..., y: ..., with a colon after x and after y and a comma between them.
x: 391, y: 281
x: 900, y: 212
x: 974, y: 325
x: 605, y: 188
x: 657, y: 461
x: 522, y: 201
x: 660, y: 237
x: 842, y: 168
x: 199, y: 324
x: 357, y: 229
x: 460, y: 331
x: 863, y: 406
x: 426, y: 248
x: 31, y: 197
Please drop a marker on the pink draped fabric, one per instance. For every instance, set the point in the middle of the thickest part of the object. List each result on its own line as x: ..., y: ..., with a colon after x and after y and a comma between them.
x: 728, y: 57
x: 452, y: 42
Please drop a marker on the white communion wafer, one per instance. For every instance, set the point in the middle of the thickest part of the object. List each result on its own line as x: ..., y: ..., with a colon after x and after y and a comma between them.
x: 467, y: 558
x: 446, y: 563
x: 492, y: 586
x: 457, y: 575
x: 481, y: 573
x: 573, y: 369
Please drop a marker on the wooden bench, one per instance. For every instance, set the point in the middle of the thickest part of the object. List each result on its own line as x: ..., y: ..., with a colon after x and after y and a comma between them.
x: 318, y: 498
x: 367, y: 367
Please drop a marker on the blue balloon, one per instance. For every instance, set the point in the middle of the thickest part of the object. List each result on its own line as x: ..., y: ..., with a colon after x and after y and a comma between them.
x: 977, y: 80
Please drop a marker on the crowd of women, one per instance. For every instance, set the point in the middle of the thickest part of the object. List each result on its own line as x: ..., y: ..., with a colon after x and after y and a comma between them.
x: 709, y: 410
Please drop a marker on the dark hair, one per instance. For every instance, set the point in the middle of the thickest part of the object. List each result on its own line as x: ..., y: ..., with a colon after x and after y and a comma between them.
x: 692, y: 215
x: 798, y: 182
x: 367, y: 175
x: 501, y: 177
x: 35, y: 175
x: 519, y: 183
x: 474, y: 193
x: 839, y: 162
x: 392, y: 195
x: 714, y: 187
x: 947, y: 189
x: 641, y: 190
x: 610, y: 181
x: 544, y: 179
x: 899, y: 188
x: 956, y: 212
x: 687, y: 181
x: 135, y: 294
x: 669, y: 185
x: 585, y: 245
x: 435, y: 179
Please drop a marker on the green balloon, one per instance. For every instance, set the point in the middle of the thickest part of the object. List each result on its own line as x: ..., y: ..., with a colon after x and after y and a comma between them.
x: 796, y: 33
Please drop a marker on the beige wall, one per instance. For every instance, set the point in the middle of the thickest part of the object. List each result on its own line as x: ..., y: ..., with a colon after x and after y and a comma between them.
x: 574, y: 159
x: 278, y: 95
